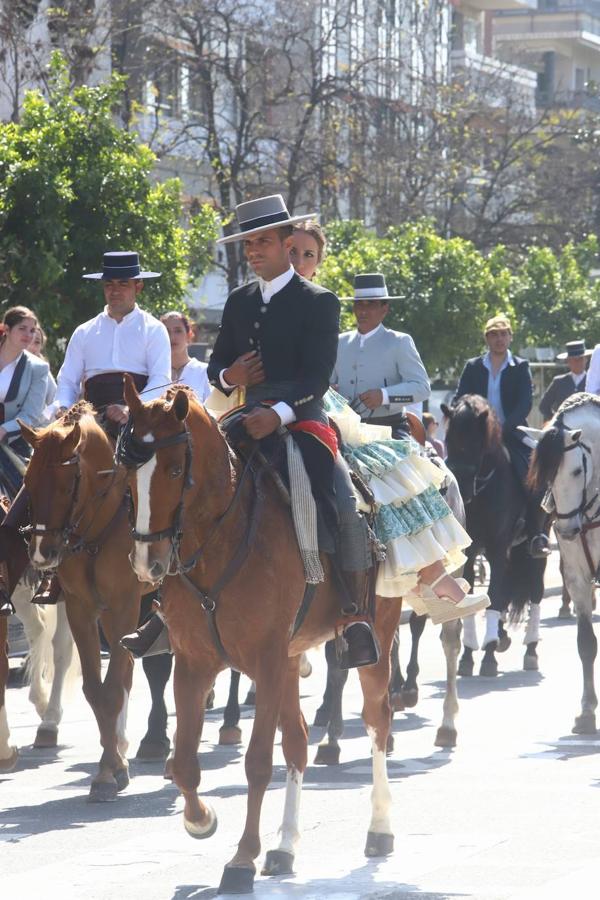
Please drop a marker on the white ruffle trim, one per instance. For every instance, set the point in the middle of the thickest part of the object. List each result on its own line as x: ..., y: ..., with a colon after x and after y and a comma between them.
x: 406, y: 556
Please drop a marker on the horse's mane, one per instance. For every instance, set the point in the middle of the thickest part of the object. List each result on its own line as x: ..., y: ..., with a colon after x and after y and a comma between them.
x: 575, y: 401
x: 477, y: 405
x: 76, y: 413
x: 546, y: 458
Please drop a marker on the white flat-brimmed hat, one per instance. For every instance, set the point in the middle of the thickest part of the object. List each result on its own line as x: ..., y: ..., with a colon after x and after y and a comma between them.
x: 574, y: 349
x: 370, y: 286
x: 260, y: 215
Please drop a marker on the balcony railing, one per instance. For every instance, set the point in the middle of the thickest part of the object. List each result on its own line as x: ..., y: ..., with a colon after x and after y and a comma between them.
x: 588, y: 100
x: 494, y: 78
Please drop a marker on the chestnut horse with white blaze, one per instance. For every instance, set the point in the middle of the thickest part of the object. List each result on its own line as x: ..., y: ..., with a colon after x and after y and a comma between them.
x: 80, y: 528
x: 217, y: 525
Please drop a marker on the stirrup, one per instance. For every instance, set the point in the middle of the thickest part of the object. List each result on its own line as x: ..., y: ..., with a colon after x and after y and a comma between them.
x: 362, y: 647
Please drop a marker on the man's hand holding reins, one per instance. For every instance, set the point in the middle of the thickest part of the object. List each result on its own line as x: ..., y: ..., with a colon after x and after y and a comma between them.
x: 117, y: 413
x: 261, y: 422
x: 246, y: 370
x: 372, y: 399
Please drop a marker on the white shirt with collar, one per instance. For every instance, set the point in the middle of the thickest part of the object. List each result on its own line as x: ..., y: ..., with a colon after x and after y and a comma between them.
x: 139, y: 343
x: 493, y: 392
x: 268, y: 289
x: 6, y: 375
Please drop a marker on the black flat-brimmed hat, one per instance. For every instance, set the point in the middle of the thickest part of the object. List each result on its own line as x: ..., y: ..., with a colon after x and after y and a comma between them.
x: 260, y: 215
x: 574, y: 349
x: 121, y: 266
x: 370, y: 286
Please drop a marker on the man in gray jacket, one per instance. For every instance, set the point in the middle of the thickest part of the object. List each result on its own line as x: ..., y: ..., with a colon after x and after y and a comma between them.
x: 378, y: 370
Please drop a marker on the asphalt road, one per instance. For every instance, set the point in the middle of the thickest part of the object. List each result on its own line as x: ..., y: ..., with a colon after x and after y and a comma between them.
x: 510, y: 814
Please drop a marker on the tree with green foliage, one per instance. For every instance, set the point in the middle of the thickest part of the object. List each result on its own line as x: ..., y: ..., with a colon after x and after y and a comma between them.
x: 74, y: 185
x: 445, y: 288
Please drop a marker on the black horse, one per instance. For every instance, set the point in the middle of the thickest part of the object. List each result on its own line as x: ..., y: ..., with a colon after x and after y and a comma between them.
x: 495, y: 505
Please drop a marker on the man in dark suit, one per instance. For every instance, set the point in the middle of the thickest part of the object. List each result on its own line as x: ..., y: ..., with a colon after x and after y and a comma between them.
x: 505, y: 381
x: 576, y: 357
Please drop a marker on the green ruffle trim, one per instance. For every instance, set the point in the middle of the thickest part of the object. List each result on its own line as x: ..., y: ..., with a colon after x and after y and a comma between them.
x: 412, y: 517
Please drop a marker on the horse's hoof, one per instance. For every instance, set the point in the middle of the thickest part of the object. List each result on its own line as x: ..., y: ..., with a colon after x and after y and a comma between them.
x: 327, y: 755
x: 45, y: 737
x: 321, y: 718
x: 230, y: 735
x: 153, y: 751
x: 445, y: 737
x: 504, y: 642
x: 531, y: 662
x: 565, y: 613
x: 168, y: 771
x: 103, y: 792
x: 410, y: 697
x: 237, y: 880
x: 278, y: 862
x: 210, y: 699
x: 199, y: 831
x: 397, y: 702
x: 122, y: 778
x: 379, y: 844
x: 389, y: 744
x: 489, y: 667
x: 305, y: 668
x: 250, y: 699
x: 585, y: 724
x: 466, y: 665
x: 8, y: 764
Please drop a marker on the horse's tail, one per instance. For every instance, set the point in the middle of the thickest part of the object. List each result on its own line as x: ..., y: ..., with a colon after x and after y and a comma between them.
x: 56, y: 638
x: 525, y: 580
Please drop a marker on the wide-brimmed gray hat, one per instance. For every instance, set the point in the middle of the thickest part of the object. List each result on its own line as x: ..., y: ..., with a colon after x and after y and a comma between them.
x: 370, y: 286
x: 574, y: 349
x: 119, y: 265
x: 260, y: 215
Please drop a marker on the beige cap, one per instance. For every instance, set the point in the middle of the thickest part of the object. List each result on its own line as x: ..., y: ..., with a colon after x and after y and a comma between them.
x: 497, y: 323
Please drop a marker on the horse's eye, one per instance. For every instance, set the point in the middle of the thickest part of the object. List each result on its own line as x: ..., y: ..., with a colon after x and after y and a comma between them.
x: 175, y: 471
x: 577, y: 472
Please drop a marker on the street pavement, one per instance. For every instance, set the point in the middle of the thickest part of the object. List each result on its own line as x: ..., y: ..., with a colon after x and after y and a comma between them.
x: 510, y: 814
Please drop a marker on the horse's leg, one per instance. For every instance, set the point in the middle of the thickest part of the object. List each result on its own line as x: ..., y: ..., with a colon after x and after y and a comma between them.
x: 116, y: 688
x: 328, y: 751
x: 238, y: 875
x: 582, y: 594
x: 532, y: 636
x: 377, y: 718
x: 410, y: 691
x: 466, y: 663
x: 295, y: 743
x: 498, y: 603
x: 155, y: 744
x: 62, y: 656
x: 191, y: 684
x: 230, y: 731
x: 450, y: 637
x: 324, y: 711
x: 397, y: 681
x: 8, y: 754
x: 37, y: 626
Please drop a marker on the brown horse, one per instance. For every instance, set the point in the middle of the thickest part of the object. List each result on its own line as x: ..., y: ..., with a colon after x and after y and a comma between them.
x: 80, y: 528
x: 220, y: 528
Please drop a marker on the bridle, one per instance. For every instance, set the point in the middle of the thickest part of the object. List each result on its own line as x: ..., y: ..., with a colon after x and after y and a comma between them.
x: 480, y: 482
x: 585, y: 505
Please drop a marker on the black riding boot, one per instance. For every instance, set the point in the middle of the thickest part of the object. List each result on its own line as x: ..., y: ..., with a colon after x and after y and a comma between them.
x: 149, y: 639
x: 362, y: 644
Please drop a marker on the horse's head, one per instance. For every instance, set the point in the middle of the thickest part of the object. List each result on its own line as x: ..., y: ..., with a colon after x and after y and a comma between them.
x: 562, y: 464
x: 156, y: 448
x: 473, y: 431
x: 52, y: 480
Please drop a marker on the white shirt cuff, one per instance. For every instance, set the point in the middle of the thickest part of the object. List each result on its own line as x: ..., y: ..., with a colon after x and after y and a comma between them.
x: 226, y: 385
x: 386, y: 396
x: 285, y: 412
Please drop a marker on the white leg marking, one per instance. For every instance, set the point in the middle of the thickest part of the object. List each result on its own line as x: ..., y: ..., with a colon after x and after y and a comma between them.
x: 289, y: 832
x: 381, y: 798
x: 470, y: 633
x: 492, y: 617
x: 122, y: 742
x: 532, y: 632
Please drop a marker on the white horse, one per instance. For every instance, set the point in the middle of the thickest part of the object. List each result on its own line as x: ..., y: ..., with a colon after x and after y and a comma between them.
x: 567, y: 462
x: 52, y: 666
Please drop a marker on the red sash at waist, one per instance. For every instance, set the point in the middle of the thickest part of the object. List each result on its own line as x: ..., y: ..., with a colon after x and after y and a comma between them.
x: 323, y: 433
x: 107, y: 388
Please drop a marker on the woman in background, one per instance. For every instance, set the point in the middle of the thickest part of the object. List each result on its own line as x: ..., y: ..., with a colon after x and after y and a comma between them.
x: 184, y: 368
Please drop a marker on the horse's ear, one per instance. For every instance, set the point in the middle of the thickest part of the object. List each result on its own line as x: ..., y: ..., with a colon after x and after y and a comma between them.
x: 181, y: 405
x: 132, y: 398
x: 575, y: 436
x: 30, y: 434
x: 534, y: 434
x: 72, y: 439
x: 447, y: 410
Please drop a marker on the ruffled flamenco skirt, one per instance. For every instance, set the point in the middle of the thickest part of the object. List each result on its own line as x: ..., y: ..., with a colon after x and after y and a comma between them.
x: 412, y: 519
